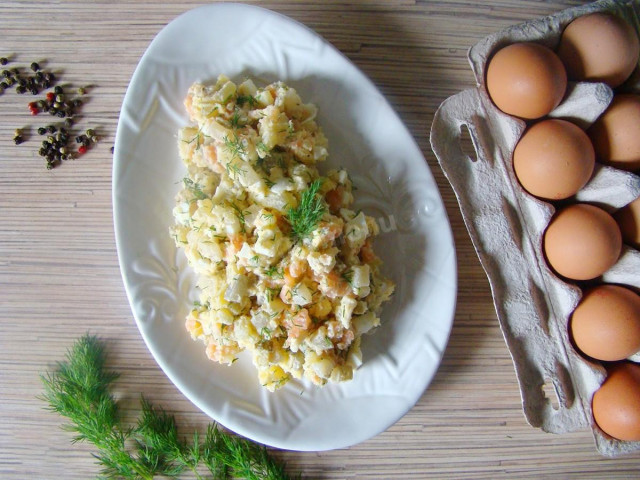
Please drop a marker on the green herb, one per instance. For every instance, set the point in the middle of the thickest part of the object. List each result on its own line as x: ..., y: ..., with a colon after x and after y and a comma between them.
x: 234, y: 170
x: 240, y: 214
x: 272, y: 293
x: 197, y: 138
x: 274, y: 272
x: 79, y: 389
x: 234, y: 147
x: 305, y: 217
x: 250, y: 99
x: 194, y: 188
x: 265, y: 333
x: 268, y: 182
x: 347, y: 276
x: 262, y: 147
x: 236, y: 119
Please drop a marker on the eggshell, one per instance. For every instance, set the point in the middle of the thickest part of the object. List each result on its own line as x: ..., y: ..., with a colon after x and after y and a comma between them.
x: 582, y: 242
x: 616, y: 134
x: 628, y: 218
x: 616, y: 404
x: 526, y: 79
x: 599, y: 47
x: 606, y: 323
x: 554, y: 159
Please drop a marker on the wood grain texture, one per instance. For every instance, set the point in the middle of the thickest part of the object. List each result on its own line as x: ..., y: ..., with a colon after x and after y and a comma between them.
x: 59, y: 275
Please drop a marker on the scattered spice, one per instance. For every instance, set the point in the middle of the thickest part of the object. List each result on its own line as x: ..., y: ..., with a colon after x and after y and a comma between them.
x: 56, y: 148
x: 18, y: 138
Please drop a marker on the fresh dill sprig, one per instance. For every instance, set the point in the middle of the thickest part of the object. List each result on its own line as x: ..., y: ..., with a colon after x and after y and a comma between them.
x: 305, y: 217
x: 235, y: 147
x: 236, y: 120
x: 240, y: 215
x: 79, y: 389
x: 250, y: 99
x: 274, y: 272
x: 197, y: 138
x: 194, y: 188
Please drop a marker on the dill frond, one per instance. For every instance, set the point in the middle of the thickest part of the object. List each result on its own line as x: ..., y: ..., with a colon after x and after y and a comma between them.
x: 79, y: 389
x: 305, y: 217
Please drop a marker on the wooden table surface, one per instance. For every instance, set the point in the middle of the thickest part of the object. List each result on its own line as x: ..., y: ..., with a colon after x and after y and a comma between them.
x: 59, y: 275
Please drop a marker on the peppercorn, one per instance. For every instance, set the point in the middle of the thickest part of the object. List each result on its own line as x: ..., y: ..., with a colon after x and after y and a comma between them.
x: 79, y: 138
x: 77, y: 102
x: 20, y: 89
x: 57, y: 90
x: 18, y: 139
x: 61, y: 113
x: 39, y: 76
x: 42, y: 131
x: 6, y: 73
x: 4, y: 61
x: 4, y: 85
x: 22, y: 82
x: 42, y: 152
x: 68, y: 122
x: 90, y: 132
x: 35, y: 67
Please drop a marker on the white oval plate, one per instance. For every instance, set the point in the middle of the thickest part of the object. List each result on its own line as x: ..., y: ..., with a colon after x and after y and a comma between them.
x: 394, y: 185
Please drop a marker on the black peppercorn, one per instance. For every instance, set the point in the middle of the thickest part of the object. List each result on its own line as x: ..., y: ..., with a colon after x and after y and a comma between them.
x: 6, y: 73
x: 77, y: 102
x: 4, y: 85
x: 20, y: 89
x: 22, y: 82
x: 34, y: 91
x: 18, y: 139
x: 4, y: 61
x: 42, y: 131
x: 68, y: 122
x: 57, y: 90
x: 35, y: 67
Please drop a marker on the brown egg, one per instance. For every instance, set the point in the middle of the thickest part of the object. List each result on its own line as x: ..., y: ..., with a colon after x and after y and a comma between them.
x: 582, y: 242
x: 599, y: 47
x: 616, y: 404
x: 554, y: 159
x: 628, y: 218
x: 606, y: 323
x: 616, y: 133
x: 527, y: 80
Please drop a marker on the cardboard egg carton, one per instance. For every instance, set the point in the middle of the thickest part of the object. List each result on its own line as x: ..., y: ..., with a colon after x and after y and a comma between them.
x: 506, y: 225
